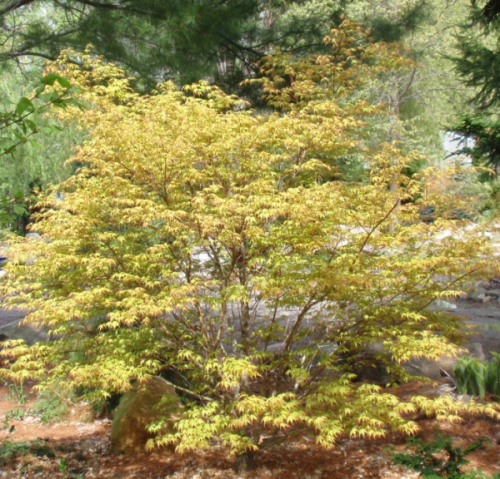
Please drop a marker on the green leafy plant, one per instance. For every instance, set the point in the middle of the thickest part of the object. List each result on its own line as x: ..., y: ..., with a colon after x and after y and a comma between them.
x: 14, y: 209
x: 17, y: 390
x: 19, y: 123
x: 17, y: 414
x: 50, y: 406
x: 11, y: 450
x: 63, y: 466
x: 478, y: 377
x: 493, y: 375
x: 484, y: 129
x: 439, y: 458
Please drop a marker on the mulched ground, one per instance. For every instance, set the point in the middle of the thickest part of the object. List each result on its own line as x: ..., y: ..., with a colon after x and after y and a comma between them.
x: 80, y: 449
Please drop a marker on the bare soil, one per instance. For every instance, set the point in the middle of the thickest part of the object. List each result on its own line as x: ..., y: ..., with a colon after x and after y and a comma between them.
x: 81, y: 450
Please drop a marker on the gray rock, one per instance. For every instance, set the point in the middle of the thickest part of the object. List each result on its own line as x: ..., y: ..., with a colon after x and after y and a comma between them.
x: 136, y: 410
x: 11, y: 327
x: 372, y: 369
x: 447, y: 365
x: 423, y: 367
x: 427, y: 368
x: 442, y: 305
x: 277, y: 348
x: 477, y: 294
x: 376, y: 347
x: 34, y: 236
x: 374, y: 372
x: 474, y: 350
x: 495, y: 293
x: 445, y: 389
x: 29, y: 334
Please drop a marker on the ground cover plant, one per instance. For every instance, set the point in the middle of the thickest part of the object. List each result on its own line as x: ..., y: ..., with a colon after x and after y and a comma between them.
x: 216, y: 246
x: 9, y: 450
x: 440, y: 457
x: 477, y: 377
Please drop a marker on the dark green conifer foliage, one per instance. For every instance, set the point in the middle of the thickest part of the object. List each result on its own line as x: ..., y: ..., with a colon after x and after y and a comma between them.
x: 387, y: 30
x: 157, y: 40
x: 479, y: 65
x: 484, y: 129
x: 479, y: 47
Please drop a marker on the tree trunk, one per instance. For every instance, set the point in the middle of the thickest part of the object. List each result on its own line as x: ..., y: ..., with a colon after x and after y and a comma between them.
x: 245, y: 461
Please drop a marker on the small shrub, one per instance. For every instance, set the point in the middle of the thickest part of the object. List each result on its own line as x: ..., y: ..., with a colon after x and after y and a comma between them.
x: 17, y: 414
x: 439, y: 458
x: 50, y: 406
x: 211, y: 242
x: 17, y: 391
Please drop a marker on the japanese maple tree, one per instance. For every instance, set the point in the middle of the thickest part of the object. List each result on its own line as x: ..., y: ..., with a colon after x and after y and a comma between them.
x: 206, y: 240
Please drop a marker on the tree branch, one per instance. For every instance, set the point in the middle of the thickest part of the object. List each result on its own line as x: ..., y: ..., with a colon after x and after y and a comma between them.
x: 14, y: 5
x: 119, y: 7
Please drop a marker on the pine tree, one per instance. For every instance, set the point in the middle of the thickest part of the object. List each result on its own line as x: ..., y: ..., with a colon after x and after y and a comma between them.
x: 157, y: 39
x: 479, y: 59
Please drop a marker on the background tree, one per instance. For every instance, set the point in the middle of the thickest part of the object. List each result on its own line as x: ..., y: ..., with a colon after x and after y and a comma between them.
x: 157, y: 40
x: 27, y: 166
x: 478, y: 60
x: 204, y: 241
x: 485, y: 133
x: 477, y: 63
x: 424, y: 99
x: 221, y: 42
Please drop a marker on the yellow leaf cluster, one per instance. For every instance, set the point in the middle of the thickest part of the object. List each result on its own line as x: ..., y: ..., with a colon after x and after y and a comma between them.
x: 209, y: 242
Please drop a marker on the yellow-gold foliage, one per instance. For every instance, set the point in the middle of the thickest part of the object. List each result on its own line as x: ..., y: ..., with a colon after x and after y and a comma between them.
x: 202, y: 238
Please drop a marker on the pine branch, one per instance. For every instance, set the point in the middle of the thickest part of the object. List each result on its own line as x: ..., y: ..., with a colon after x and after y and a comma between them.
x: 14, y: 5
x: 122, y: 8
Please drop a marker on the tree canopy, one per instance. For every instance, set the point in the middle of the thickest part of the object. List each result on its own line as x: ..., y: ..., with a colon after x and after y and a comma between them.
x: 258, y: 259
x: 206, y: 241
x: 157, y: 40
x: 26, y: 166
x: 477, y: 63
x: 478, y: 59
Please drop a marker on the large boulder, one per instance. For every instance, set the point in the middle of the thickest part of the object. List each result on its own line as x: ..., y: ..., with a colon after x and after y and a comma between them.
x: 371, y: 369
x: 473, y: 350
x: 477, y: 294
x: 427, y: 368
x: 11, y: 327
x: 137, y: 409
x: 444, y: 366
x: 424, y: 367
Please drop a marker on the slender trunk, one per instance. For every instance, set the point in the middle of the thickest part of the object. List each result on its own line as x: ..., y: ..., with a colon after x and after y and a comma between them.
x: 240, y: 260
x: 245, y: 326
x: 245, y: 461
